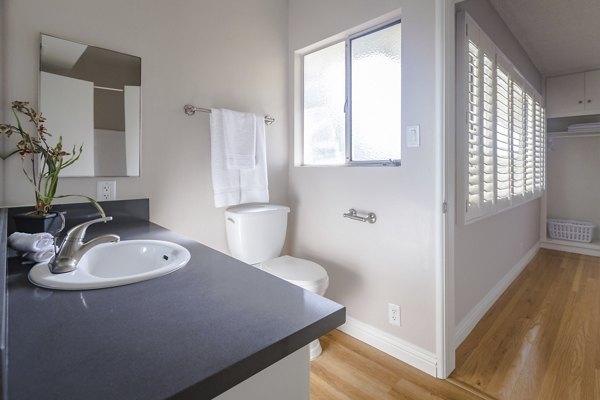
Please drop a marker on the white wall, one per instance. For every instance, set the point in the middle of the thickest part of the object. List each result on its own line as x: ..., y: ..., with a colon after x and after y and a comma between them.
x: 487, y: 250
x: 224, y: 53
x: 392, y: 261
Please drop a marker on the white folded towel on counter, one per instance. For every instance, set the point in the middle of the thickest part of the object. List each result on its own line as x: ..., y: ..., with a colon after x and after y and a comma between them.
x: 41, y: 256
x: 28, y: 242
x: 587, y: 127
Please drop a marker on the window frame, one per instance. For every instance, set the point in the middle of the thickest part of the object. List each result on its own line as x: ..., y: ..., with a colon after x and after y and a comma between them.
x: 347, y: 40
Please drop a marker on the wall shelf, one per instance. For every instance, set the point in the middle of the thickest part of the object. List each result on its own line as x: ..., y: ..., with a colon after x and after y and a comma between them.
x: 567, y: 134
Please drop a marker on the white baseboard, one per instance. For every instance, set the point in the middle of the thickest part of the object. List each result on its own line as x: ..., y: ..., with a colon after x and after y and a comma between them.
x: 392, y: 345
x: 469, y: 322
x: 589, y: 249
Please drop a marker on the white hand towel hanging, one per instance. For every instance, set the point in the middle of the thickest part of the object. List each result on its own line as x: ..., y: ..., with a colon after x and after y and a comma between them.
x: 241, y: 185
x: 226, y: 182
x: 239, y: 131
x: 254, y: 185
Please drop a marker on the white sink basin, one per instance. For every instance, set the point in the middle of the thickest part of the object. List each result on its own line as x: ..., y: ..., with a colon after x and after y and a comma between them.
x: 115, y: 264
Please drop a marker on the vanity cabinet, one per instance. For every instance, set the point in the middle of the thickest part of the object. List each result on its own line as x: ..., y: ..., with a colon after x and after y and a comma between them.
x: 179, y: 336
x: 573, y: 94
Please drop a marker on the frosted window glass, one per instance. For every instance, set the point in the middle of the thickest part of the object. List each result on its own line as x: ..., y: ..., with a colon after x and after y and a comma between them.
x: 376, y: 95
x: 324, y: 98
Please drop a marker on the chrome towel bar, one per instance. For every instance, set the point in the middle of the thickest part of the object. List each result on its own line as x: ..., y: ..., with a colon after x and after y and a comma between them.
x: 191, y: 110
x: 352, y: 214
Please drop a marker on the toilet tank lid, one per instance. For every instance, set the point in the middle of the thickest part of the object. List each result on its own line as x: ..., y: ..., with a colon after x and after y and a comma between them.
x: 255, y: 208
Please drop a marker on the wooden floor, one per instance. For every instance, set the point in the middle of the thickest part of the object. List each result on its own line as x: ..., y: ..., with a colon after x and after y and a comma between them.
x: 541, y: 340
x: 350, y: 369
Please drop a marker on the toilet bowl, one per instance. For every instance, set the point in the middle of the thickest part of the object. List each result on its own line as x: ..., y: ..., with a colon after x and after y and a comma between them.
x: 255, y: 235
x: 304, y: 273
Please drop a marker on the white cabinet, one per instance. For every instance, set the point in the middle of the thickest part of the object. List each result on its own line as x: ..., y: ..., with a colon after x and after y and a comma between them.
x: 592, y: 91
x: 565, y: 95
x: 573, y: 94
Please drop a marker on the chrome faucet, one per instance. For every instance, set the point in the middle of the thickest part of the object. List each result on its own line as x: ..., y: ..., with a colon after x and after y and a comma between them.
x: 73, y: 247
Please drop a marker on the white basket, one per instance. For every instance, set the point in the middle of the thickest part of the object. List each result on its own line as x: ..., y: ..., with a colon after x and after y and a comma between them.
x: 569, y: 229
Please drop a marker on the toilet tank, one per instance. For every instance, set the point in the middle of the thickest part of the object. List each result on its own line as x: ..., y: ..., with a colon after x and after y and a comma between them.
x: 256, y: 232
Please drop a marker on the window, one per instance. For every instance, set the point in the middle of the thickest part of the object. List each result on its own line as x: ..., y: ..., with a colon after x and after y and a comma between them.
x: 504, y: 134
x: 352, y: 100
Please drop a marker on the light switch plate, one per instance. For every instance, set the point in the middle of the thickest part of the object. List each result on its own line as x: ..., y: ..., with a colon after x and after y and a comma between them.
x: 413, y: 136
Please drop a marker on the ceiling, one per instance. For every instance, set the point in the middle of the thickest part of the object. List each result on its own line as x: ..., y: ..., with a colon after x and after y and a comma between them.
x: 559, y: 35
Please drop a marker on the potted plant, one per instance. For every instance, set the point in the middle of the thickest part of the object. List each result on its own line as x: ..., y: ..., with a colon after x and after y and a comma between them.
x: 42, y: 165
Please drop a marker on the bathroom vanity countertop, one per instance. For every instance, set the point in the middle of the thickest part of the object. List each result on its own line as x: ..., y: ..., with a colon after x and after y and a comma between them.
x: 194, y: 333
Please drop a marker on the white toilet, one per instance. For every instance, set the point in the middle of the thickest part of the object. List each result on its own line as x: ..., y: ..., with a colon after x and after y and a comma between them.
x: 256, y: 233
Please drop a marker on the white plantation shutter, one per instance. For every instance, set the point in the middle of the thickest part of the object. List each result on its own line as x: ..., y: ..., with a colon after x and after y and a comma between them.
x: 503, y: 124
x: 487, y: 139
x: 517, y: 183
x: 541, y: 134
x: 529, y: 144
x: 480, y: 182
x: 504, y: 133
x: 473, y: 127
x: 539, y: 149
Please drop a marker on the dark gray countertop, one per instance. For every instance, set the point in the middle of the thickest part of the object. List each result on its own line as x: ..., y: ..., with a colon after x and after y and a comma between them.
x: 3, y: 302
x: 194, y: 333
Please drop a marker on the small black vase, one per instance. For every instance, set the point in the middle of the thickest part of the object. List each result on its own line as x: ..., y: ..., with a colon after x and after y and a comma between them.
x: 30, y: 223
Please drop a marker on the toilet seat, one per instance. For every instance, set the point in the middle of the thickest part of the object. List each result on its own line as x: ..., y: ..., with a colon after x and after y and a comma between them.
x: 304, y: 273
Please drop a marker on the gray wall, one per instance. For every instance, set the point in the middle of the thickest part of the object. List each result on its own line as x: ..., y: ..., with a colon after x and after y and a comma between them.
x: 486, y: 250
x: 225, y: 53
x: 394, y: 260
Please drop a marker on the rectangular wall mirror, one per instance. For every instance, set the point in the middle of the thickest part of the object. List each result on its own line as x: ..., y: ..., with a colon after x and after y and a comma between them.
x: 91, y: 96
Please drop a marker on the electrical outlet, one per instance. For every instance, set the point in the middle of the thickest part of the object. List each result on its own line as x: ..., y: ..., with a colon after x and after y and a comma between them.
x: 394, y: 314
x: 106, y: 190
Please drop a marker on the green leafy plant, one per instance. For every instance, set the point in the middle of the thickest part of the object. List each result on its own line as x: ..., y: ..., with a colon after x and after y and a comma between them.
x: 42, y: 162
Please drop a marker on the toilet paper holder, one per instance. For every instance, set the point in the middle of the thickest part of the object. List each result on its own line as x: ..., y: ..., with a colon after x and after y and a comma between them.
x: 352, y: 214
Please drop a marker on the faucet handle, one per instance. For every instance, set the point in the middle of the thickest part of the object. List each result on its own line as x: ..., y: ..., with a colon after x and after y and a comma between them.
x: 78, y: 232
